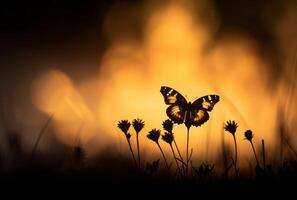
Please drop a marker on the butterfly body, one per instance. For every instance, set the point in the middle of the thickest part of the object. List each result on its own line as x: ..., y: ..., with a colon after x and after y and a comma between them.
x: 181, y: 111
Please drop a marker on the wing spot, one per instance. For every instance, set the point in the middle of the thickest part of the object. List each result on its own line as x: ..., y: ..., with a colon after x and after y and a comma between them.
x: 172, y: 99
x: 176, y: 111
x: 199, y: 115
x: 206, y: 104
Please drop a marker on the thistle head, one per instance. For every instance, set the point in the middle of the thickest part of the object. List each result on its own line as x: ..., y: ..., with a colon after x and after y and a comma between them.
x: 248, y: 135
x: 154, y: 135
x: 167, y: 125
x: 138, y: 125
x: 168, y: 137
x: 124, y: 125
x: 231, y: 127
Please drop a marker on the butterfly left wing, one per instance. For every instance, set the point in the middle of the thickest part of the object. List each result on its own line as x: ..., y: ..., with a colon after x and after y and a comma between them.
x: 172, y: 96
x: 178, y: 104
x: 176, y: 113
x: 198, y: 113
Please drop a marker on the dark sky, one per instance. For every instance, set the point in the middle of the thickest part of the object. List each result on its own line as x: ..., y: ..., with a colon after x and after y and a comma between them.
x: 49, y: 32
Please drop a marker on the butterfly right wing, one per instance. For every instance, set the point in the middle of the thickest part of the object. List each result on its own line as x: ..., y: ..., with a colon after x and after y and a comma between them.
x: 178, y: 104
x: 197, y: 116
x: 198, y: 113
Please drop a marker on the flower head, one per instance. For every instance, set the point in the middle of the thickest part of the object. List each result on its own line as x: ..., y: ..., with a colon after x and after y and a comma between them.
x: 167, y: 125
x: 154, y: 135
x: 248, y: 135
x: 231, y: 127
x: 168, y: 137
x: 124, y: 125
x: 138, y: 125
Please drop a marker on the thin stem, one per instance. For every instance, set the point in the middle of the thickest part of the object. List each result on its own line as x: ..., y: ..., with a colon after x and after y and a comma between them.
x: 178, y: 150
x: 187, y: 155
x: 290, y: 146
x: 181, y: 158
x: 255, y: 153
x: 138, y: 150
x: 263, y: 152
x: 130, y: 147
x: 163, y: 156
x: 235, y: 156
x: 174, y: 157
x: 42, y: 131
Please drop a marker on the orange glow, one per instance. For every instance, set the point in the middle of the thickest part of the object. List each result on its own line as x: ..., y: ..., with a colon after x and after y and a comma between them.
x: 54, y: 94
x: 173, y: 54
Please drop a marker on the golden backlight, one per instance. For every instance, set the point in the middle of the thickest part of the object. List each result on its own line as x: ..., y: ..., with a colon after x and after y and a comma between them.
x: 172, y: 54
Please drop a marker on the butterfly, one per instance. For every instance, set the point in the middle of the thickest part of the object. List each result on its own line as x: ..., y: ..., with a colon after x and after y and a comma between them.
x: 181, y: 111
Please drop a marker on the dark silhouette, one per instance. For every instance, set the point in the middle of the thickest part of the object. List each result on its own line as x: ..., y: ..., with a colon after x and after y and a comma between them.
x: 108, y: 169
x: 124, y: 125
x: 138, y: 125
x: 191, y: 114
x: 231, y: 127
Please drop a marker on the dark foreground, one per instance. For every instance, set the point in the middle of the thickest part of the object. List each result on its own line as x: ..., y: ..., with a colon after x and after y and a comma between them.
x: 114, y: 177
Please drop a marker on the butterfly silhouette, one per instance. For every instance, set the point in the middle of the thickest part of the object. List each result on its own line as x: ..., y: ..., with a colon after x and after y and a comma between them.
x: 181, y: 111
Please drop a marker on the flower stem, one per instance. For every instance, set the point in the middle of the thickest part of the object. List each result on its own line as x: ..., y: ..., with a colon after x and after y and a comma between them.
x: 255, y: 153
x: 138, y: 150
x: 42, y: 131
x: 235, y: 156
x: 130, y: 147
x: 180, y: 156
x: 187, y: 155
x: 163, y: 156
x: 178, y: 150
x: 263, y: 151
x: 174, y: 157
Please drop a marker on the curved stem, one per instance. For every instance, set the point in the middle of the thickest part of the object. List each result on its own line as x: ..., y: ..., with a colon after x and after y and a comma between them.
x: 138, y: 150
x: 174, y: 157
x: 235, y: 156
x: 178, y: 150
x: 130, y: 147
x: 180, y: 156
x: 42, y: 131
x: 255, y: 153
x: 163, y: 156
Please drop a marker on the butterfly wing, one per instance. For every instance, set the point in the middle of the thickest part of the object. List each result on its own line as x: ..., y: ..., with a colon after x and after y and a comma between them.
x: 171, y: 96
x: 206, y: 102
x: 198, y: 113
x: 178, y: 104
x: 197, y: 116
x: 176, y: 113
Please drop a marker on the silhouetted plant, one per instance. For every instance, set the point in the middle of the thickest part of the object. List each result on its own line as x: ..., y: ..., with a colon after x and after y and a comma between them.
x: 288, y: 170
x: 42, y: 131
x: 231, y: 127
x: 152, y: 168
x: 124, y: 125
x: 138, y: 125
x: 249, y: 136
x: 79, y: 154
x: 154, y: 135
x: 168, y: 126
x: 168, y: 138
x: 204, y: 170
